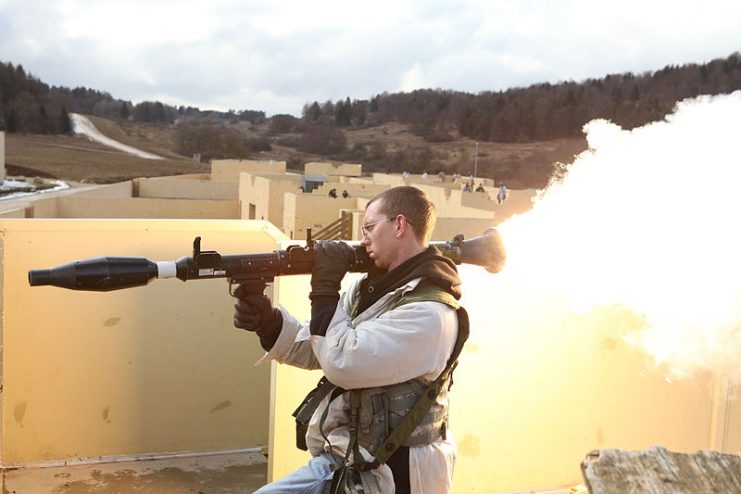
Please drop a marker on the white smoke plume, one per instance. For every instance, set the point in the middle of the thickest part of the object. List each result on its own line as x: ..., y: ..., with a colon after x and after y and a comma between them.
x: 648, y: 220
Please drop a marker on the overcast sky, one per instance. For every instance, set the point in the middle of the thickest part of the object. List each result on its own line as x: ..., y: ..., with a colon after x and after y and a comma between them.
x: 277, y: 55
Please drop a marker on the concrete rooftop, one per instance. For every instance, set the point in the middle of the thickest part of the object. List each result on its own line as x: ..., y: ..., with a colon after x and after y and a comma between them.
x: 228, y: 473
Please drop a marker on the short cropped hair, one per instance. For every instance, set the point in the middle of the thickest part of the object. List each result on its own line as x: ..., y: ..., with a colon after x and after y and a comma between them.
x: 411, y: 202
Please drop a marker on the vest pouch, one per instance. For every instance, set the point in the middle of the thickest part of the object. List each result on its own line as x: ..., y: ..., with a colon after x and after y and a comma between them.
x: 373, y: 423
x: 307, y: 407
x: 301, y: 431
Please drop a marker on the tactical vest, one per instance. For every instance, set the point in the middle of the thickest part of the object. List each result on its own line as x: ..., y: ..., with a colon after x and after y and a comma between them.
x: 383, y: 409
x: 405, y: 414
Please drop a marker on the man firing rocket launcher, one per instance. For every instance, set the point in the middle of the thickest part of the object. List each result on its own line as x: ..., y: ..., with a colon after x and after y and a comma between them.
x: 387, y: 346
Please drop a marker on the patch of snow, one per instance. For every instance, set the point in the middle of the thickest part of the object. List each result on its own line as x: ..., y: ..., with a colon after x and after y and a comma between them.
x: 83, y: 125
x: 11, y: 184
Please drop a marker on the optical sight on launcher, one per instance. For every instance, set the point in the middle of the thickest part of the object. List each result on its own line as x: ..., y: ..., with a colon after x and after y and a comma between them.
x: 254, y: 271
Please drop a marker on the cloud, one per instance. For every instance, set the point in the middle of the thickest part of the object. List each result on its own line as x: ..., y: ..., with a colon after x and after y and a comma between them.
x: 278, y: 55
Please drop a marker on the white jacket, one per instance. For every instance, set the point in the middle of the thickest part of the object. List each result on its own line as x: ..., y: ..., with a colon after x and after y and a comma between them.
x: 378, y: 348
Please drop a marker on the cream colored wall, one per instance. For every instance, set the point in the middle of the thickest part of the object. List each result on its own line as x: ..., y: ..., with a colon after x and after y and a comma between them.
x: 266, y: 194
x: 535, y: 391
x: 14, y: 213
x: 476, y: 200
x: 448, y: 205
x: 150, y: 369
x: 230, y: 169
x: 120, y: 189
x: 302, y: 211
x: 333, y: 169
x: 391, y: 180
x: 115, y: 207
x: 367, y: 190
x: 518, y: 202
x: 44, y: 208
x: 188, y: 188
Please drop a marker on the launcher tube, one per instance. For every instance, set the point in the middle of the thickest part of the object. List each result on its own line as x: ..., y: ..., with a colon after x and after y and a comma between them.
x: 115, y: 273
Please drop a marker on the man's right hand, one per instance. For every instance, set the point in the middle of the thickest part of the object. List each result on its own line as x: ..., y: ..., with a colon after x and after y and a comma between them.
x: 331, y: 262
x: 255, y: 312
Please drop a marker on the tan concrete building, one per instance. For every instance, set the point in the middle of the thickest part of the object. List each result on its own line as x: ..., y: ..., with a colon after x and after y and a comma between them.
x: 333, y: 169
x: 262, y: 196
x: 264, y: 190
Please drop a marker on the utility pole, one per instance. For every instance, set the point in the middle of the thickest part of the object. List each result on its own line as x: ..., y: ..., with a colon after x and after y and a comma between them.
x: 476, y: 161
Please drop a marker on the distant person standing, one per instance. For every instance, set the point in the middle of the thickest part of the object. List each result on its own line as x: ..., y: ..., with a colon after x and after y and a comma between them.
x: 480, y: 188
x: 502, y: 196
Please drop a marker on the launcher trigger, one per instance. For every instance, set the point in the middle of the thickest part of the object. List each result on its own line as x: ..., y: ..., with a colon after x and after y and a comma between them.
x: 241, y: 288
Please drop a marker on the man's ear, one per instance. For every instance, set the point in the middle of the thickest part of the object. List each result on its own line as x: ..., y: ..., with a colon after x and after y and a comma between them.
x: 401, y: 220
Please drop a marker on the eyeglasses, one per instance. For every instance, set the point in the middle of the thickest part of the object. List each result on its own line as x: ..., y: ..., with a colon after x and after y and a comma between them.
x: 366, y: 229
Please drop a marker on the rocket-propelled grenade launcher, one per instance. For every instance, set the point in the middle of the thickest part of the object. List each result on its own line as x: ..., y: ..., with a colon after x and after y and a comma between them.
x: 103, y: 274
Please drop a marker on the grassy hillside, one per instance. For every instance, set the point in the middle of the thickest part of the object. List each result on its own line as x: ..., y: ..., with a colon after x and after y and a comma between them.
x: 77, y: 158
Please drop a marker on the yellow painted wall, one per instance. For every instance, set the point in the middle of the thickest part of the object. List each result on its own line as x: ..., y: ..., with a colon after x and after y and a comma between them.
x: 230, y: 169
x: 189, y: 187
x: 727, y: 428
x: 302, y: 211
x: 150, y: 369
x: 732, y: 443
x: 74, y: 206
x: 333, y: 169
x: 537, y: 389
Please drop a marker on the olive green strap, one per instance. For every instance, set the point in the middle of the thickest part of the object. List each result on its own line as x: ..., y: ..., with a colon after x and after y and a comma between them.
x: 423, y: 404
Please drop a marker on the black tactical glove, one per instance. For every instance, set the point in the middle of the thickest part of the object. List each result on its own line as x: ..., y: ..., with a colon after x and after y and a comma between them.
x: 330, y: 265
x: 331, y: 261
x: 255, y: 312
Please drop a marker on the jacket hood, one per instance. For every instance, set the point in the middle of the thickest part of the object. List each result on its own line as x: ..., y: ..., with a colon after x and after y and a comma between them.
x: 430, y: 265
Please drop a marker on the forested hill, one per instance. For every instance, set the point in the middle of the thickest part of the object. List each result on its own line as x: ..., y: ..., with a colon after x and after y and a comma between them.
x: 535, y: 113
x: 539, y: 112
x: 28, y: 105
